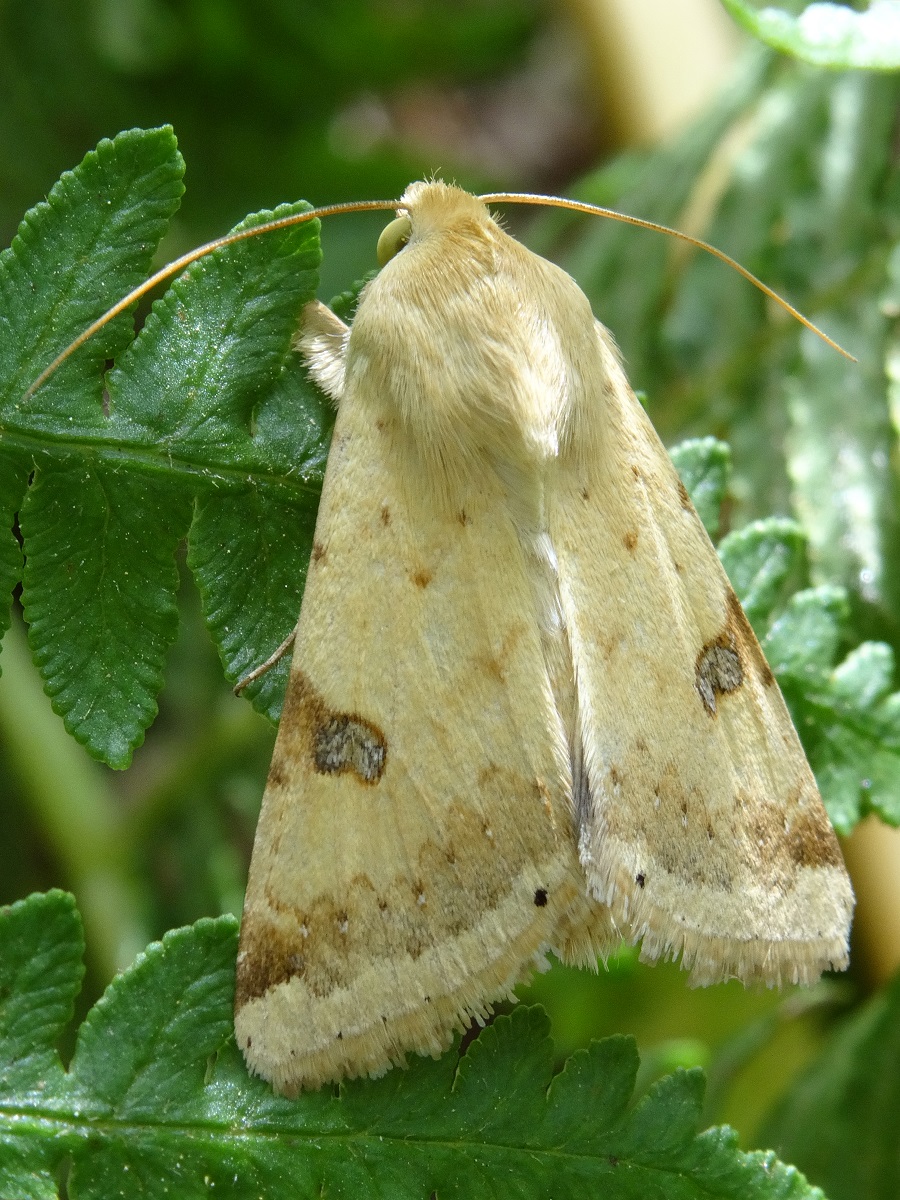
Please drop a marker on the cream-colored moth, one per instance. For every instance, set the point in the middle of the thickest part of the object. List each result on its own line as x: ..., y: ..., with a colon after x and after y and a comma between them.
x: 526, y: 711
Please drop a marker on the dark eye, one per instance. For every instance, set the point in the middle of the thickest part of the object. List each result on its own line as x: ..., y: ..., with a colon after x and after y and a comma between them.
x: 393, y: 238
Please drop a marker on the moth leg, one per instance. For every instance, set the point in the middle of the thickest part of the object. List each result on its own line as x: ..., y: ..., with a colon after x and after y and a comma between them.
x: 322, y: 341
x: 275, y: 657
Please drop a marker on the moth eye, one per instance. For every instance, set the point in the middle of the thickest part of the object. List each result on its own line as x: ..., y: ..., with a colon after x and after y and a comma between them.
x: 393, y: 238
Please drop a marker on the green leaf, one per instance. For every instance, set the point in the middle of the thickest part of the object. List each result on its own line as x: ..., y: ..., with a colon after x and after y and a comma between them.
x: 262, y: 536
x: 841, y: 1121
x: 99, y: 595
x: 157, y: 1101
x: 344, y: 304
x: 41, y: 950
x: 704, y: 465
x: 211, y: 349
x: 13, y: 482
x: 74, y: 256
x: 207, y: 403
x: 856, y: 752
x: 856, y: 773
x: 846, y: 714
x: 761, y: 560
x: 142, y: 1050
x: 864, y: 677
x: 839, y: 457
x: 802, y: 644
x: 828, y: 35
x: 206, y: 388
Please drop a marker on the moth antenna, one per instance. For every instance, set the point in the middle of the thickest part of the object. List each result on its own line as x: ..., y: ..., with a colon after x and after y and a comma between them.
x: 192, y: 256
x: 625, y: 219
x: 329, y: 210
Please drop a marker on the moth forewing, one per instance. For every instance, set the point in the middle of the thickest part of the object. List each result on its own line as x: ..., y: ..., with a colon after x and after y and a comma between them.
x: 415, y: 854
x: 704, y: 830
x: 525, y: 709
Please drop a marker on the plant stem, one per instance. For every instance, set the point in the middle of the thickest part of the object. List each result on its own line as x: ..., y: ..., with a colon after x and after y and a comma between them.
x: 77, y: 810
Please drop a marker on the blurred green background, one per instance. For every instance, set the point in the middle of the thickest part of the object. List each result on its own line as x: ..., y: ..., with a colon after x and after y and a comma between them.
x: 788, y: 168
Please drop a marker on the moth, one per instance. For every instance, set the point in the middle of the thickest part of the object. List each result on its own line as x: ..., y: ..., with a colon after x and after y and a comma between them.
x: 525, y: 711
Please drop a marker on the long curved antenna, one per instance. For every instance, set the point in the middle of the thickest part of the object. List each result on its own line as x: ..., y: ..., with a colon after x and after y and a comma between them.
x: 179, y: 264
x: 625, y: 219
x: 329, y: 210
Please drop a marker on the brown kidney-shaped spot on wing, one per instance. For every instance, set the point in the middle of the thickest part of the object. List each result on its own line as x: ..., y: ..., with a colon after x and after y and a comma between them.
x: 719, y: 670
x: 349, y: 743
x: 332, y: 742
x: 722, y: 662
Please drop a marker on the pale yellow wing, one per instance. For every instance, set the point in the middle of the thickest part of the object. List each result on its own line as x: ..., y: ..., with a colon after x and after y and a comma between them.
x: 700, y: 821
x: 520, y: 679
x: 416, y: 850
